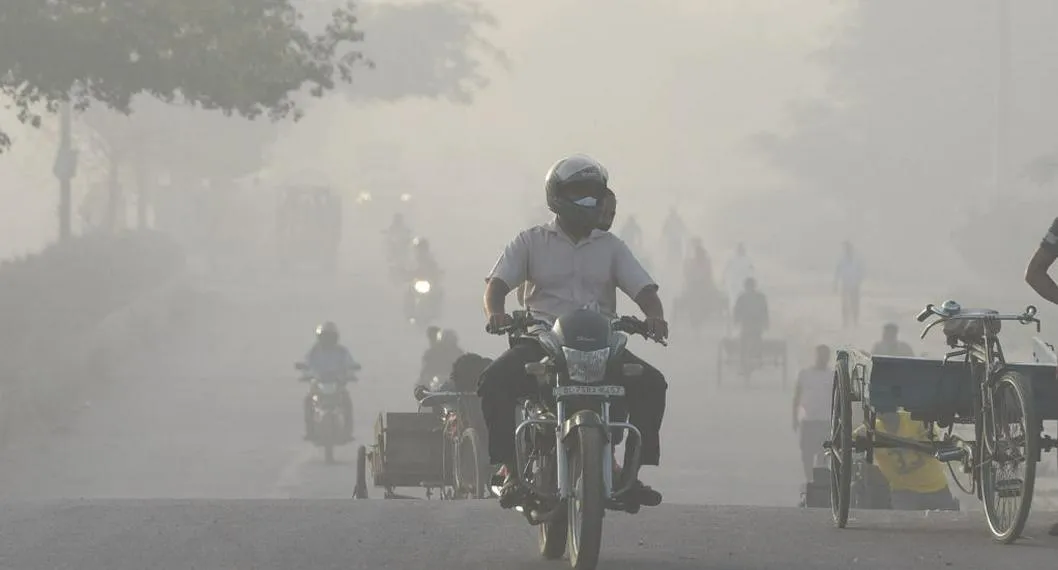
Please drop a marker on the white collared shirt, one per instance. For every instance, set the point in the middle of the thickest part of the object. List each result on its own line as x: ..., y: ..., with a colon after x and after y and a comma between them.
x: 563, y: 276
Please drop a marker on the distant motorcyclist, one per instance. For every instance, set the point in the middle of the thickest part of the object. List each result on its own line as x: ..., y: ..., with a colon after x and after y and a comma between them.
x: 890, y: 345
x: 811, y: 407
x: 738, y: 269
x: 424, y: 265
x: 848, y: 277
x: 330, y: 361
x: 674, y: 234
x: 700, y: 298
x: 439, y: 357
x: 751, y: 317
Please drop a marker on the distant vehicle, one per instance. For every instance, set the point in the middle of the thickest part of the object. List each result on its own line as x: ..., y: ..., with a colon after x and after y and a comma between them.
x: 308, y: 227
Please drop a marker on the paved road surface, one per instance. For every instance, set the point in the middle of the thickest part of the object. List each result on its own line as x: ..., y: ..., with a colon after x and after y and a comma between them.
x: 412, y: 535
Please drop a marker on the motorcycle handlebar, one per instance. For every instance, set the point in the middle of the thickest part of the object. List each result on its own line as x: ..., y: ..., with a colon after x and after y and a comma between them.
x: 521, y: 321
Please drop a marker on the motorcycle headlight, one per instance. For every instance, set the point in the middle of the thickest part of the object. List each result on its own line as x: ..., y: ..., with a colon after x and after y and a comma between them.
x: 586, y: 366
x: 422, y: 287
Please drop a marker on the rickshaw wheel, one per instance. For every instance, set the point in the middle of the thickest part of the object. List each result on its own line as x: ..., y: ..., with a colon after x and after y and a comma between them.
x: 841, y: 443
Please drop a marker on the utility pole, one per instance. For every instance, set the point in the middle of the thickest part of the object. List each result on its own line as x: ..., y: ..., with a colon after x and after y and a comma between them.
x: 65, y: 168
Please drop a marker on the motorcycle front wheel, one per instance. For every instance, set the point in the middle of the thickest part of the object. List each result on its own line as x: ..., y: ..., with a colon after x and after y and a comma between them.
x: 587, y: 503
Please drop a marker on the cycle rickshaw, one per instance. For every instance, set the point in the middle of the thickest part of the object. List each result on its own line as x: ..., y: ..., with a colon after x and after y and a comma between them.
x: 1004, y: 403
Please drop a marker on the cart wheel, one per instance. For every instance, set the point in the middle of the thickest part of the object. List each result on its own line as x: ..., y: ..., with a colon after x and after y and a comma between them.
x: 471, y: 473
x: 1011, y: 450
x: 360, y: 490
x: 841, y: 443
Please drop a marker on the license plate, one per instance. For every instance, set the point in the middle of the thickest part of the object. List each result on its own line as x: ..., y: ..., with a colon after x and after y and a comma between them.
x: 562, y: 391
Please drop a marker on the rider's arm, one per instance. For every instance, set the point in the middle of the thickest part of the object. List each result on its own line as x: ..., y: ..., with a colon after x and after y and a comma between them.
x: 1036, y: 273
x: 635, y: 282
x: 797, y: 396
x: 511, y: 270
x: 764, y: 305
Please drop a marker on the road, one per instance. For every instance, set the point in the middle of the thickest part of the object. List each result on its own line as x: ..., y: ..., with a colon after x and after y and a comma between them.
x: 192, y: 457
x: 411, y: 535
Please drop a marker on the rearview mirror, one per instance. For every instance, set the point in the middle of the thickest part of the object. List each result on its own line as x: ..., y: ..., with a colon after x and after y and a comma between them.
x: 632, y: 369
x: 300, y: 366
x: 535, y: 369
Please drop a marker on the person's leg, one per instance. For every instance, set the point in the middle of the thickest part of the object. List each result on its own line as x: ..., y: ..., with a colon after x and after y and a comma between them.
x: 645, y: 398
x: 502, y: 383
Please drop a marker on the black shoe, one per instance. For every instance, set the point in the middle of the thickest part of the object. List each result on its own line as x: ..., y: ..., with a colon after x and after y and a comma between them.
x: 645, y: 495
x: 510, y: 495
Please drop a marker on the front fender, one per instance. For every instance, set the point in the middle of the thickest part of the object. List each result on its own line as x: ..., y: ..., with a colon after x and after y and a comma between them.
x: 582, y: 420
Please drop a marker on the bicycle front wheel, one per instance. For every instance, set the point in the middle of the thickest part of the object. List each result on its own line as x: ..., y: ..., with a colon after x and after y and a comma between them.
x: 1008, y: 467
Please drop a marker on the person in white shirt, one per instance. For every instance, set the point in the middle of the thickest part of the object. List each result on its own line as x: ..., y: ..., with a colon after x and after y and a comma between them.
x: 569, y: 264
x: 738, y: 269
x: 811, y: 407
x: 848, y: 277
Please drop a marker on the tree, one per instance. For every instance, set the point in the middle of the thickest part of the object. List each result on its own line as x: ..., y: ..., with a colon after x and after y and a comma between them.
x: 245, y: 57
x: 903, y: 142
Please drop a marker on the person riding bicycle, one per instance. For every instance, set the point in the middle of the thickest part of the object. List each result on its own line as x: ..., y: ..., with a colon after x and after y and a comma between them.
x: 811, y: 407
x: 1038, y: 277
x: 917, y: 481
x: 751, y: 316
x: 890, y: 345
x: 330, y: 361
x: 568, y: 264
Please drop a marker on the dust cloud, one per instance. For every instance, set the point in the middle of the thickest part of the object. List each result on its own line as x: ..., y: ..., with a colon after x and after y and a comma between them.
x: 746, y: 116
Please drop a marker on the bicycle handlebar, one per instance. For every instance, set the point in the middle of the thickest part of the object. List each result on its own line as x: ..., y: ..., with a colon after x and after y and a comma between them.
x: 952, y: 311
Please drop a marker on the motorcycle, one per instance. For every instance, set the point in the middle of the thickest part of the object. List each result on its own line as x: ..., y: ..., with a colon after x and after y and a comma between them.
x: 422, y: 301
x: 328, y: 414
x: 564, y: 442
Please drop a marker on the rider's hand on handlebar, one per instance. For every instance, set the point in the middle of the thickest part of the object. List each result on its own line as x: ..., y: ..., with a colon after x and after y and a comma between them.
x: 498, y: 323
x: 419, y: 392
x: 657, y: 327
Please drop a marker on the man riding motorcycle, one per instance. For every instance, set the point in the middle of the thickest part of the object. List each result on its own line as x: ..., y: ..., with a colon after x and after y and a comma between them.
x: 751, y: 316
x: 568, y: 264
x: 439, y: 357
x: 1037, y: 276
x: 330, y: 361
x: 609, y: 211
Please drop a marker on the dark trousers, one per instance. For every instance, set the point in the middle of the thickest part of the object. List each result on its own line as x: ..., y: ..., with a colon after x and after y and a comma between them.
x: 347, y: 411
x: 505, y: 382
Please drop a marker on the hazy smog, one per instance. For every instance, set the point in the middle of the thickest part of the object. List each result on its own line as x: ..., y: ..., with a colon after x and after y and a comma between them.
x: 151, y: 355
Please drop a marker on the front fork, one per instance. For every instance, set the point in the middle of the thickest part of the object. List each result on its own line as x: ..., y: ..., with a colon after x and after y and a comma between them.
x: 564, y: 428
